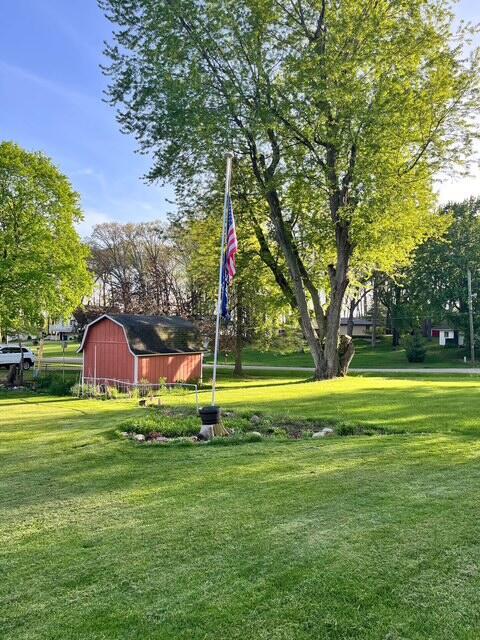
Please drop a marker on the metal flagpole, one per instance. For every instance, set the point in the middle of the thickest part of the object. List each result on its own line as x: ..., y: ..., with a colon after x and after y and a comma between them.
x: 228, y: 174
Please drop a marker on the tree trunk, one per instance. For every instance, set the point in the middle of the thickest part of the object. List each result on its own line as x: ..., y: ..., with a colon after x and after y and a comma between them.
x: 338, y: 283
x: 375, y: 312
x: 427, y: 329
x: 12, y: 375
x: 351, y: 311
x: 20, y: 376
x: 238, y: 369
x: 395, y: 336
x: 285, y: 243
x: 346, y: 353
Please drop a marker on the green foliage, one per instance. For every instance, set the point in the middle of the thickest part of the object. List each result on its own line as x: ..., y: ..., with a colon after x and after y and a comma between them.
x: 170, y: 426
x: 338, y: 129
x: 436, y: 283
x: 43, y: 263
x: 415, y: 348
x: 111, y: 393
x: 144, y: 388
x: 55, y: 384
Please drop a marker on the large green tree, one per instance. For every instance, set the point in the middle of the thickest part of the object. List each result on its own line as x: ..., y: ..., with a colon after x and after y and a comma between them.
x: 435, y: 285
x: 340, y: 111
x: 43, y: 263
x: 256, y: 304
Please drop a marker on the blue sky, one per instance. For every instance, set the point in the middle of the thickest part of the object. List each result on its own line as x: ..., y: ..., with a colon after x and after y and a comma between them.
x: 51, y: 100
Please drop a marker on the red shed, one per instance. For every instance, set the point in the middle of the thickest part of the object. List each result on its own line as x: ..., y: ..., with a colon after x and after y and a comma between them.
x: 131, y: 348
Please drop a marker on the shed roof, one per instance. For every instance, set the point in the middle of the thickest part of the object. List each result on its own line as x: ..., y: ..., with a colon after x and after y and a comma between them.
x: 150, y: 335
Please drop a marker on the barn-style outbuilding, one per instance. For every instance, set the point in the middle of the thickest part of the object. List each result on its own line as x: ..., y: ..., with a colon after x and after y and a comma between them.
x: 134, y: 348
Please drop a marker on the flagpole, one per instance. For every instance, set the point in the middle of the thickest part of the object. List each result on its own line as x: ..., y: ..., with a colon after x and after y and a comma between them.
x: 228, y: 174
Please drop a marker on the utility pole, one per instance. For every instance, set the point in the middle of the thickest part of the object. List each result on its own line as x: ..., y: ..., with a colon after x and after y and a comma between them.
x: 470, y: 315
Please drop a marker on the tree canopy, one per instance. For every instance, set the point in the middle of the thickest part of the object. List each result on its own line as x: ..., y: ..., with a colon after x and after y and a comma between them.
x: 43, y: 263
x: 339, y: 112
x: 436, y: 282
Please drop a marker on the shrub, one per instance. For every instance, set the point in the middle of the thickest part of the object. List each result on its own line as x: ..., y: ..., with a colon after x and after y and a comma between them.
x: 76, y: 390
x: 168, y: 426
x: 91, y: 391
x: 415, y: 349
x: 144, y: 387
x: 54, y: 384
x: 111, y: 392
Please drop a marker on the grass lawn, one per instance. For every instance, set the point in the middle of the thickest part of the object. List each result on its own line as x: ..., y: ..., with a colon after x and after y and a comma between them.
x: 437, y: 403
x: 344, y: 538
x: 382, y: 356
x: 54, y: 350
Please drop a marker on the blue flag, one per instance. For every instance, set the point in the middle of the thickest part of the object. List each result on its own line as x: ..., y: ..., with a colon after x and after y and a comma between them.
x: 228, y: 261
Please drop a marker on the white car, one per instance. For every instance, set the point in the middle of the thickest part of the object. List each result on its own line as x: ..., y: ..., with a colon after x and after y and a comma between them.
x: 12, y: 354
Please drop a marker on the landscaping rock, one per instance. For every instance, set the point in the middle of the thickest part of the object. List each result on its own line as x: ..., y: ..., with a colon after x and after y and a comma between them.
x: 255, y: 433
x: 323, y: 433
x: 139, y: 437
x: 255, y: 419
x: 125, y: 434
x: 206, y: 432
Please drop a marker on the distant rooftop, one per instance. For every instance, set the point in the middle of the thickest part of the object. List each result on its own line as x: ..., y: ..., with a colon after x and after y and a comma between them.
x: 363, y: 322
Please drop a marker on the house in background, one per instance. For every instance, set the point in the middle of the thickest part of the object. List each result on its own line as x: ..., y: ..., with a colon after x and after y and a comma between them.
x: 448, y: 336
x: 62, y: 329
x: 361, y: 327
x: 133, y: 348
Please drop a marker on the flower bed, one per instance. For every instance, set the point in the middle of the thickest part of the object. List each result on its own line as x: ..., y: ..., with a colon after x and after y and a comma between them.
x: 167, y: 426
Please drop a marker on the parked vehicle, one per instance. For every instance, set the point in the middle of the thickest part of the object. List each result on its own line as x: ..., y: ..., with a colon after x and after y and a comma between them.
x: 12, y: 354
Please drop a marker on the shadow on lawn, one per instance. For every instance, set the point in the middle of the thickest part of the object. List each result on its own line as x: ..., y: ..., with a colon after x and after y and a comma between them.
x: 425, y: 409
x: 257, y: 386
x: 124, y: 474
x: 33, y: 398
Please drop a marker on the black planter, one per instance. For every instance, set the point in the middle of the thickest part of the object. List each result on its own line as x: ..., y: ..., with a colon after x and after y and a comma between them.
x: 210, y: 415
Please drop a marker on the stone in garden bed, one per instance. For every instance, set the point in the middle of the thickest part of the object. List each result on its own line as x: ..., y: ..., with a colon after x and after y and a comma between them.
x: 323, y: 433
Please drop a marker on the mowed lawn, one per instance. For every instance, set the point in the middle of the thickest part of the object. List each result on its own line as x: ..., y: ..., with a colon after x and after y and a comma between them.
x: 415, y: 403
x: 381, y: 356
x: 355, y: 537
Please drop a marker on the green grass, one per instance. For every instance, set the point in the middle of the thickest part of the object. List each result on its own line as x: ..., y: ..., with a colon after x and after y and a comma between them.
x: 54, y: 350
x: 414, y: 402
x: 344, y: 538
x: 382, y: 356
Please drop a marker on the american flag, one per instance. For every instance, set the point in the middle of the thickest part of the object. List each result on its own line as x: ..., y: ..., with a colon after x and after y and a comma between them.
x: 229, y: 266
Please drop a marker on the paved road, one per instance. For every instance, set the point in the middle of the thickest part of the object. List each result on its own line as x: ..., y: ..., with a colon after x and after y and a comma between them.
x: 466, y: 371
x: 247, y: 367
